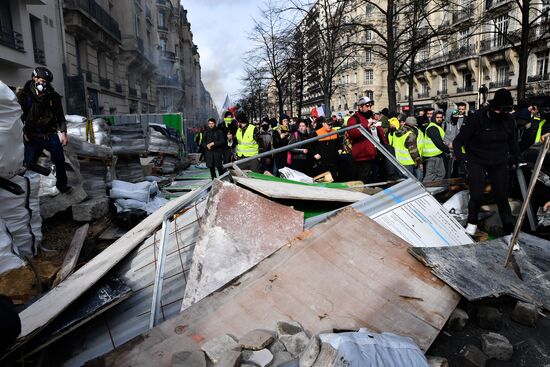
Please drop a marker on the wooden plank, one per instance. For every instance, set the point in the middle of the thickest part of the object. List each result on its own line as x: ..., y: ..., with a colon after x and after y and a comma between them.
x: 225, y: 250
x: 477, y: 271
x: 280, y: 190
x: 113, y: 232
x: 40, y: 313
x: 69, y: 262
x: 347, y: 272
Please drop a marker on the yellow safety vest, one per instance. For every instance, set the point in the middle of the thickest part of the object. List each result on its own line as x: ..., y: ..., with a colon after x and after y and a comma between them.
x: 420, y: 140
x: 247, y: 146
x: 539, y: 130
x: 429, y: 149
x: 401, y: 152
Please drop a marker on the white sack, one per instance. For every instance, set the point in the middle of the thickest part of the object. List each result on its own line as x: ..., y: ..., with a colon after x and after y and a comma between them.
x: 366, y: 349
x: 126, y: 190
x: 8, y: 258
x: 11, y: 133
x: 458, y: 203
x: 292, y: 174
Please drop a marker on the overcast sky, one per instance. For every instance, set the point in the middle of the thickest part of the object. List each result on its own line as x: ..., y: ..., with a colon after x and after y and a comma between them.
x: 220, y: 29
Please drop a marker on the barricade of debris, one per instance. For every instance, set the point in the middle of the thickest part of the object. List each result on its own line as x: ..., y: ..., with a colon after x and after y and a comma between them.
x: 201, y: 272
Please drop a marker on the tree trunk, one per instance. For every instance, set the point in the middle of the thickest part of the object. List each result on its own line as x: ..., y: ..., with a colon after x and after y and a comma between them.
x: 411, y: 89
x: 523, y: 50
x: 392, y: 100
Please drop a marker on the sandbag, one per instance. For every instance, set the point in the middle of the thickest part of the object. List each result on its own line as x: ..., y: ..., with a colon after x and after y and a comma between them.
x: 11, y: 133
x: 8, y: 253
x: 76, y: 127
x: 127, y: 190
x: 17, y: 213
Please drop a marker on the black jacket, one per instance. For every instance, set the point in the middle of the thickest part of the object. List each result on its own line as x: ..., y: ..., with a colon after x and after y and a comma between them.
x: 42, y: 114
x: 232, y: 127
x: 486, y: 141
x: 213, y: 156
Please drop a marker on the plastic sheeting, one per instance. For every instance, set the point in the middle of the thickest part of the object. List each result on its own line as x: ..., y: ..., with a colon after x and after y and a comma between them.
x: 366, y: 349
x: 160, y: 143
x: 292, y: 174
x: 76, y: 126
x: 126, y: 190
x: 21, y: 213
x: 11, y: 133
x: 8, y: 258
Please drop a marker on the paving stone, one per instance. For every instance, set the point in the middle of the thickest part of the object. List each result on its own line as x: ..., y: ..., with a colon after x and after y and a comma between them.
x: 277, y: 346
x: 471, y: 356
x: 280, y: 358
x: 288, y: 328
x: 525, y: 313
x: 257, y: 339
x: 91, y: 209
x: 216, y: 347
x: 457, y: 320
x: 189, y: 359
x: 496, y: 346
x: 437, y: 361
x: 326, y: 356
x: 50, y: 206
x: 309, y: 355
x: 260, y: 358
x: 490, y: 318
x: 229, y: 358
x: 295, y: 344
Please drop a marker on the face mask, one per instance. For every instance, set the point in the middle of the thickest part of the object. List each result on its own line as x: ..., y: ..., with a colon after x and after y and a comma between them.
x: 228, y: 120
x: 265, y: 127
x: 41, y: 87
x: 497, y: 116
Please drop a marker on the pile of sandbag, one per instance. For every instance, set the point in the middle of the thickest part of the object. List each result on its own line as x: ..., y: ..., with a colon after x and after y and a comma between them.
x: 129, y: 169
x: 81, y: 147
x: 142, y: 195
x: 98, y: 132
x: 96, y: 177
x: 160, y: 141
x: 128, y: 139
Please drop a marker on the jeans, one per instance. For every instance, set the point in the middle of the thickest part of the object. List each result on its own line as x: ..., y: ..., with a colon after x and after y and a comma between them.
x: 435, y: 169
x: 35, y: 146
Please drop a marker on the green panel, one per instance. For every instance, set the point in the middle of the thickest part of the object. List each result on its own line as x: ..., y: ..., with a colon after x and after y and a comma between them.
x: 331, y: 185
x: 174, y: 121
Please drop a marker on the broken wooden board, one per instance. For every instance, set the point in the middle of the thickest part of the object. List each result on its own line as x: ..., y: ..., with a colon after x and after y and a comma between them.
x: 69, y: 262
x: 238, y: 230
x: 345, y: 273
x: 113, y: 232
x: 282, y: 190
x: 477, y: 271
x: 40, y: 313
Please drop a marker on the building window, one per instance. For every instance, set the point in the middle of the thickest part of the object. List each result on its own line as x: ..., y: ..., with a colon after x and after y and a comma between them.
x: 444, y: 84
x: 467, y: 83
x: 542, y: 63
x: 502, y: 74
x: 369, y: 76
x: 368, y: 35
x: 37, y: 40
x: 368, y: 55
x: 369, y: 9
x: 161, y: 20
x: 369, y: 94
x: 163, y: 44
x: 425, y: 88
x: 81, y: 56
x: 500, y: 29
x: 464, y: 38
x: 102, y: 64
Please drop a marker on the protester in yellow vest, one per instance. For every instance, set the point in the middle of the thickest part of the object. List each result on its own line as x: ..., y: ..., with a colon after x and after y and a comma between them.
x: 405, y: 144
x: 248, y: 137
x: 433, y: 150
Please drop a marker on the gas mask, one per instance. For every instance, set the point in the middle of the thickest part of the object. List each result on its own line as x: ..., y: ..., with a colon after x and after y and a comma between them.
x: 41, y: 87
x: 228, y: 120
x: 265, y: 127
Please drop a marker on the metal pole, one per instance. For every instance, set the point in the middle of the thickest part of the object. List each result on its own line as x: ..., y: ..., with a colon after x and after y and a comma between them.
x: 523, y: 189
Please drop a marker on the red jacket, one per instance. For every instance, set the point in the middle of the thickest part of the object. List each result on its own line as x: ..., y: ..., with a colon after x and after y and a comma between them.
x: 362, y: 149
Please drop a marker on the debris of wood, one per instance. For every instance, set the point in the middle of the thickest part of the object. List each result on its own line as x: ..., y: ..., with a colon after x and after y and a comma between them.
x: 72, y: 254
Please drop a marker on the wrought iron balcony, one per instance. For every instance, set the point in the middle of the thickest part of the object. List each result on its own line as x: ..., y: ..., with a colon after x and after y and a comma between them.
x: 39, y: 56
x: 495, y: 3
x: 463, y: 13
x: 104, y: 83
x: 500, y: 84
x: 468, y: 88
x: 463, y: 51
x: 97, y: 13
x: 12, y: 39
x: 538, y: 78
x: 443, y: 91
x: 168, y: 55
x: 424, y: 95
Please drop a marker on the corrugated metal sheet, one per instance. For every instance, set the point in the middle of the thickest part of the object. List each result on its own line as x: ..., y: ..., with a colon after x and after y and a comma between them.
x: 131, y: 317
x: 412, y: 213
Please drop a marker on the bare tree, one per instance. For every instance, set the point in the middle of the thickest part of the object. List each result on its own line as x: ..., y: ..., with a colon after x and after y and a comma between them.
x: 531, y: 27
x: 253, y: 96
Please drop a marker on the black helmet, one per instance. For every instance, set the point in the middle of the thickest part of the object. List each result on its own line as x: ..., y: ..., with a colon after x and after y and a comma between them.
x: 42, y: 72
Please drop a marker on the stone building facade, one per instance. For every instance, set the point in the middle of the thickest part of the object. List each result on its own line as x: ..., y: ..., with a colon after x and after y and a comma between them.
x: 117, y: 57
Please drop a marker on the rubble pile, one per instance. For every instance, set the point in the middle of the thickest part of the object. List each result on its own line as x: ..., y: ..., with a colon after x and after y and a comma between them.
x: 166, y: 144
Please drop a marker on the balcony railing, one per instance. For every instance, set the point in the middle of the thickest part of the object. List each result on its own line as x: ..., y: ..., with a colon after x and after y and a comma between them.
x: 162, y: 27
x: 463, y: 51
x: 132, y: 92
x: 500, y: 84
x: 538, y: 78
x: 169, y: 81
x: 424, y: 95
x: 118, y: 88
x: 443, y: 91
x: 95, y: 11
x: 39, y: 56
x: 104, y: 83
x: 500, y: 41
x: 12, y: 39
x: 468, y: 88
x: 168, y: 55
x: 494, y: 3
